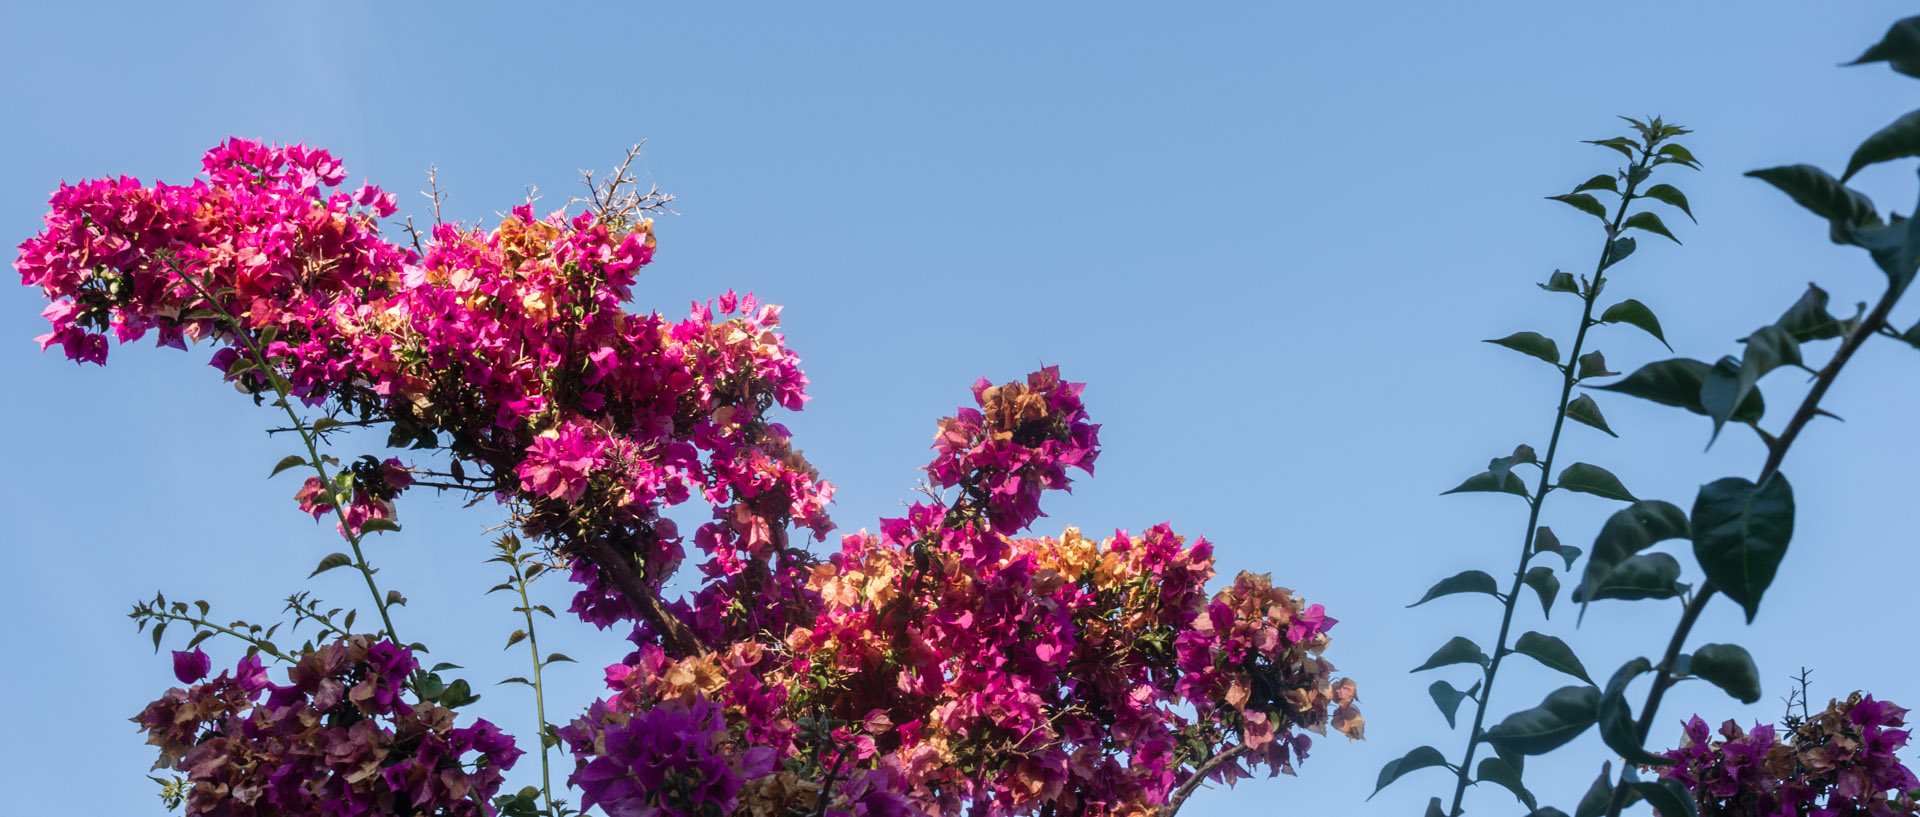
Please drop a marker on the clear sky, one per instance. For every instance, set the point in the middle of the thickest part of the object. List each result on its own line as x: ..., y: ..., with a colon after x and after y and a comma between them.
x: 1269, y: 237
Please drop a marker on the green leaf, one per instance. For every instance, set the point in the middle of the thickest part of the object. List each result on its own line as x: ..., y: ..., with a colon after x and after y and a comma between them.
x: 1467, y: 581
x: 394, y: 599
x: 1457, y: 650
x: 1740, y: 534
x: 1592, y: 479
x: 1667, y: 795
x: 1604, y: 181
x: 1896, y: 141
x: 1844, y: 208
x: 1647, y: 576
x: 1635, y: 313
x: 1617, y: 727
x: 555, y: 658
x: 1619, y: 143
x: 1422, y: 757
x: 332, y: 561
x: 1899, y: 49
x: 1808, y: 318
x: 458, y: 694
x: 1649, y: 222
x: 1552, y: 653
x: 1895, y: 248
x: 1545, y: 584
x: 1548, y: 811
x: 1486, y: 481
x: 1583, y: 410
x: 1560, y: 282
x: 1448, y: 698
x: 291, y: 461
x: 1532, y: 343
x: 517, y: 637
x: 1496, y: 771
x: 1594, y: 364
x: 324, y: 424
x: 1629, y: 531
x: 1434, y: 809
x: 515, y: 680
x: 1545, y: 542
x: 1598, y: 795
x: 378, y: 524
x: 431, y: 687
x: 1617, y: 251
x: 444, y: 666
x: 1676, y: 153
x: 1768, y: 348
x: 1670, y: 195
x: 1678, y: 383
x: 1561, y: 717
x: 1584, y: 203
x: 1730, y: 668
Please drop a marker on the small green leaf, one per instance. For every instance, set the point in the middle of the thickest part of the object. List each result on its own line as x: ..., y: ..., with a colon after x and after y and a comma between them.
x: 1457, y: 650
x: 1594, y: 364
x: 332, y: 561
x: 324, y: 424
x: 1545, y: 542
x: 1583, y: 410
x: 1730, y: 668
x: 1617, y: 727
x: 1649, y: 222
x: 444, y: 666
x: 1485, y: 481
x: 517, y: 637
x: 1671, y: 195
x: 1584, y: 203
x: 1496, y: 771
x: 1678, y: 382
x: 1619, y: 143
x: 1561, y: 717
x: 1629, y: 531
x: 1666, y: 795
x: 1448, y: 698
x: 1844, y: 208
x: 1635, y: 313
x: 1896, y: 141
x: 1676, y: 153
x: 1604, y: 181
x: 1592, y: 479
x: 377, y: 524
x: 1551, y: 652
x: 1646, y: 576
x: 1532, y: 343
x: 1468, y: 581
x: 555, y: 658
x: 1899, y: 49
x: 1740, y: 534
x: 515, y: 680
x: 1545, y: 584
x: 1617, y: 251
x: 1598, y: 795
x: 1768, y: 348
x: 1808, y: 318
x: 291, y: 461
x: 1560, y: 282
x: 1422, y: 757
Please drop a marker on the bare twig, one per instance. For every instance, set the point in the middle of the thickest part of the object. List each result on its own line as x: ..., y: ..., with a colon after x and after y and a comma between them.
x: 1199, y: 778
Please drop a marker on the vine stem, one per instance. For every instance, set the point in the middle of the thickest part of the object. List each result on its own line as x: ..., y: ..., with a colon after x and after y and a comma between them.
x: 1776, y: 454
x: 307, y: 436
x: 259, y: 644
x: 539, y: 691
x: 1570, y: 374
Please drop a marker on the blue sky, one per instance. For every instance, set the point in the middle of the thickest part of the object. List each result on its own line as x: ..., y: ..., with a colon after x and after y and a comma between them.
x: 1268, y: 236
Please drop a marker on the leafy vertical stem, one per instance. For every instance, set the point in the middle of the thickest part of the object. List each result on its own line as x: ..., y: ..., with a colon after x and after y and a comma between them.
x: 1570, y: 376
x: 539, y: 691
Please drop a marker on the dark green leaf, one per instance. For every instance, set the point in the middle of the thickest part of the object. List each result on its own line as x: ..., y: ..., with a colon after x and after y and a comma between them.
x: 1457, y: 650
x: 1546, y: 585
x: 1635, y: 313
x: 1629, y: 531
x: 1768, y: 348
x: 555, y: 658
x: 458, y: 694
x: 1899, y: 49
x: 1545, y: 542
x: 1896, y: 141
x: 1740, y: 533
x: 1468, y: 581
x: 1619, y: 143
x: 431, y: 687
x: 1560, y: 282
x: 1678, y: 382
x: 1592, y: 479
x: 1548, y: 811
x: 1496, y: 771
x: 1584, y: 203
x: 1486, y: 481
x: 1595, y: 802
x: 1676, y: 153
x: 1895, y: 248
x: 394, y: 599
x: 1594, y: 364
x: 1649, y: 222
x: 1532, y: 343
x: 1434, y: 809
x: 444, y: 666
x: 291, y: 461
x: 517, y: 637
x: 515, y: 681
x: 332, y: 561
x: 1647, y: 576
x: 1583, y: 410
x: 1553, y: 653
x: 1667, y: 795
x: 1617, y: 727
x: 1564, y: 714
x: 1422, y: 757
x: 1718, y: 390
x: 1730, y: 668
x: 1603, y: 181
x: 1671, y: 195
x: 1844, y: 209
x: 1448, y: 698
x: 378, y: 524
x: 1617, y: 251
x: 1808, y: 318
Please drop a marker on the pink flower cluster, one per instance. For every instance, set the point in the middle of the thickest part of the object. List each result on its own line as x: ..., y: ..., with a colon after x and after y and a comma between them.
x: 336, y: 740
x: 1838, y: 763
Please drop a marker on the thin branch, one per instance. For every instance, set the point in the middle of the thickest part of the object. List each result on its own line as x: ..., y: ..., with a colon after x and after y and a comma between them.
x: 1199, y: 778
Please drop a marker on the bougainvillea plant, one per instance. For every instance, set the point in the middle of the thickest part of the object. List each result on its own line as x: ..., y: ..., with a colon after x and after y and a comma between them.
x: 952, y: 662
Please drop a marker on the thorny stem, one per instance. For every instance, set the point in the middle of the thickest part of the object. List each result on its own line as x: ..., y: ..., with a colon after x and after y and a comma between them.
x: 1570, y: 376
x: 307, y: 436
x: 1200, y: 775
x: 1776, y: 453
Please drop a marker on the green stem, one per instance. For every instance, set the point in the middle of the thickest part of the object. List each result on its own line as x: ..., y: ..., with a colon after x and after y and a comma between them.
x: 307, y: 436
x: 539, y: 692
x: 258, y: 644
x: 1570, y: 376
